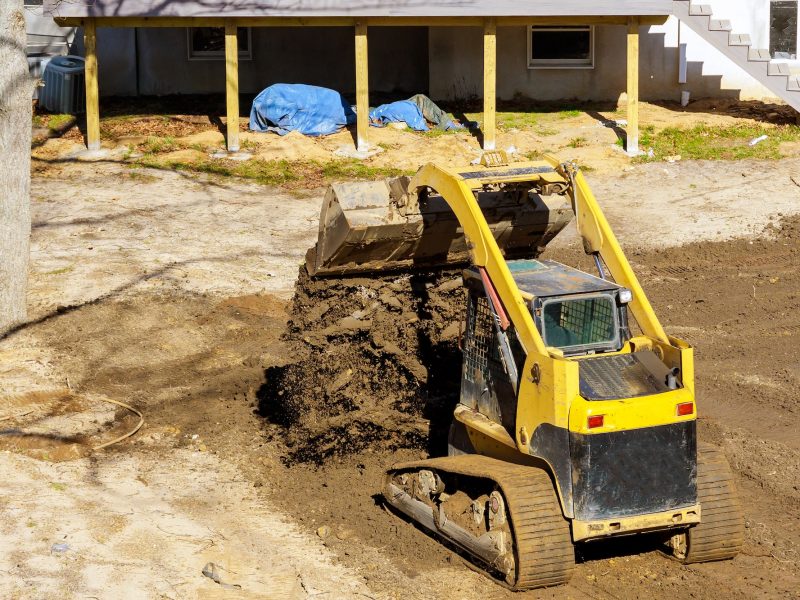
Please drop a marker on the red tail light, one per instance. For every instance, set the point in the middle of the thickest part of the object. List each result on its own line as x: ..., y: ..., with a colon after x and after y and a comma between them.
x: 684, y: 409
x: 594, y: 421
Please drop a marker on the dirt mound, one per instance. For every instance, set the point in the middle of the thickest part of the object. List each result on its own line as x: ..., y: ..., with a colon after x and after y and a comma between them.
x: 374, y: 365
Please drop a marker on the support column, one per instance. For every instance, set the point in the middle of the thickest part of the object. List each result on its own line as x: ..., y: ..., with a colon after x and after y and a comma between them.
x: 633, y: 87
x: 362, y: 88
x: 489, y: 83
x: 232, y: 84
x: 92, y: 88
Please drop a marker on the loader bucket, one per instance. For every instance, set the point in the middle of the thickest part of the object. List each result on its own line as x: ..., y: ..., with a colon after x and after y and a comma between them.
x: 372, y: 227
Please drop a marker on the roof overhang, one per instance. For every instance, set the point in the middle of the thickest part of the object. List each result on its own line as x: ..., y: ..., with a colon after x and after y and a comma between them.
x: 358, y: 8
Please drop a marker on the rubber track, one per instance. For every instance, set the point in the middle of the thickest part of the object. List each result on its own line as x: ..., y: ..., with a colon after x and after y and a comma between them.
x: 542, y: 539
x: 720, y: 535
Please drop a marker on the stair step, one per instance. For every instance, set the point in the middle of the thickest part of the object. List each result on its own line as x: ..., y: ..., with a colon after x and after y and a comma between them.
x: 700, y: 10
x: 758, y: 55
x: 720, y: 25
x: 739, y: 39
x: 793, y: 84
x: 778, y: 69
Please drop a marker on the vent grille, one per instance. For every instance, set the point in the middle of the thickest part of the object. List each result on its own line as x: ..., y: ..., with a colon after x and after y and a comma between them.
x: 621, y: 376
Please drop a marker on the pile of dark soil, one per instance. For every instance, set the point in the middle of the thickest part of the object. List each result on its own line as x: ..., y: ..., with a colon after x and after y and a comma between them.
x: 374, y: 365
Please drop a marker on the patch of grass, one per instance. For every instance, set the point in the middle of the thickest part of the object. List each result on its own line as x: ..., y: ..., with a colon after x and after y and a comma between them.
x: 545, y: 131
x: 354, y: 169
x: 158, y: 145
x: 569, y: 114
x: 646, y: 136
x: 245, y: 145
x: 732, y: 142
x: 55, y: 123
x: 59, y: 122
x: 59, y: 487
x: 284, y: 173
x: 517, y: 120
x: 578, y: 142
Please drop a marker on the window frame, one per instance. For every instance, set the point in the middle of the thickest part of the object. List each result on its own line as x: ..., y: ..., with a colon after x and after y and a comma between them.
x: 612, y: 345
x: 559, y: 63
x: 202, y: 55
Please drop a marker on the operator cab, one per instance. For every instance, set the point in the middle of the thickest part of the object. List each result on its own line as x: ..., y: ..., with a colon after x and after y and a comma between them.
x: 574, y: 311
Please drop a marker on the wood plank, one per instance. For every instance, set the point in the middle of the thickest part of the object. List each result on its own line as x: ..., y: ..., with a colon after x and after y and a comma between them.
x: 362, y: 88
x: 632, y: 146
x: 232, y: 84
x: 92, y: 86
x: 489, y: 84
x: 359, y: 8
x: 739, y: 39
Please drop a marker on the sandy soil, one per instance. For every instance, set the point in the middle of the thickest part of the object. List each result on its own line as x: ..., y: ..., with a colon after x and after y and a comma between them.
x: 589, y: 136
x: 153, y: 289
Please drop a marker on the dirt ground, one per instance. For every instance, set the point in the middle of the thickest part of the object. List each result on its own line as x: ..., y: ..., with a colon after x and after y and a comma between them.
x: 173, y: 292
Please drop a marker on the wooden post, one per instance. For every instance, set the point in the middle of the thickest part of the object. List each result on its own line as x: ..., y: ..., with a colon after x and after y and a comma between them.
x: 633, y: 87
x: 232, y: 84
x: 92, y: 88
x: 362, y: 88
x: 489, y: 83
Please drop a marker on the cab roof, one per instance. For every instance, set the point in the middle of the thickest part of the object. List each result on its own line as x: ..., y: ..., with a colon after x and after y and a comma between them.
x: 544, y: 278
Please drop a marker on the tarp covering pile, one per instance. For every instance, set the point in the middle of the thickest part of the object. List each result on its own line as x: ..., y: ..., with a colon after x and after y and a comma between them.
x: 309, y: 109
x: 416, y: 112
x: 316, y: 111
x: 403, y: 111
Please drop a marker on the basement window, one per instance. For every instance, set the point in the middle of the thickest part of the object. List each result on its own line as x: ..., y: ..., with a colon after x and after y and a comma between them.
x: 783, y: 29
x: 208, y: 43
x: 561, y: 47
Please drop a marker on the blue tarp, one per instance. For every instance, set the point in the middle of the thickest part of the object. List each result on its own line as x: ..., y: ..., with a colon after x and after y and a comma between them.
x: 403, y: 111
x: 309, y: 109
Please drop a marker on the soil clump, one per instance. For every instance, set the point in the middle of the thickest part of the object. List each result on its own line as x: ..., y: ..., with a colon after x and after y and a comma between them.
x: 374, y: 364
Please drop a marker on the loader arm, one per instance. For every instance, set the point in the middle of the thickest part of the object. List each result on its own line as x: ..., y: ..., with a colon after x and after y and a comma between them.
x: 547, y: 382
x: 483, y: 247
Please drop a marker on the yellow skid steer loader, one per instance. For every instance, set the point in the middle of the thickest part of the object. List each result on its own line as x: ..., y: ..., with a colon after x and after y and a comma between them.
x: 572, y: 424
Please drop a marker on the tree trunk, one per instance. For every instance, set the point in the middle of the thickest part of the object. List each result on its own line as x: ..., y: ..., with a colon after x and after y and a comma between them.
x: 15, y: 165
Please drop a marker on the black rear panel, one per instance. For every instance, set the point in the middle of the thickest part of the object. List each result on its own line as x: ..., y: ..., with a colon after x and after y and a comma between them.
x: 634, y: 472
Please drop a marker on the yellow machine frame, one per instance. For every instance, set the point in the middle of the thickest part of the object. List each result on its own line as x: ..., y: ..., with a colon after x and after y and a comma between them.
x: 549, y: 382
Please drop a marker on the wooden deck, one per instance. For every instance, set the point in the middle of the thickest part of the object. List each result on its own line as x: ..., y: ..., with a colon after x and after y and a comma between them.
x: 359, y: 8
x: 360, y: 16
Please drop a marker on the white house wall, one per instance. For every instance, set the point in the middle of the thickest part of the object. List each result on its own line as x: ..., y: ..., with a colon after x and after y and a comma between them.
x: 456, y: 68
x: 711, y: 62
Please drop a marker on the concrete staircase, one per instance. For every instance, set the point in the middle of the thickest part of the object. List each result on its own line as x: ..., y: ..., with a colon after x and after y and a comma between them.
x: 775, y: 76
